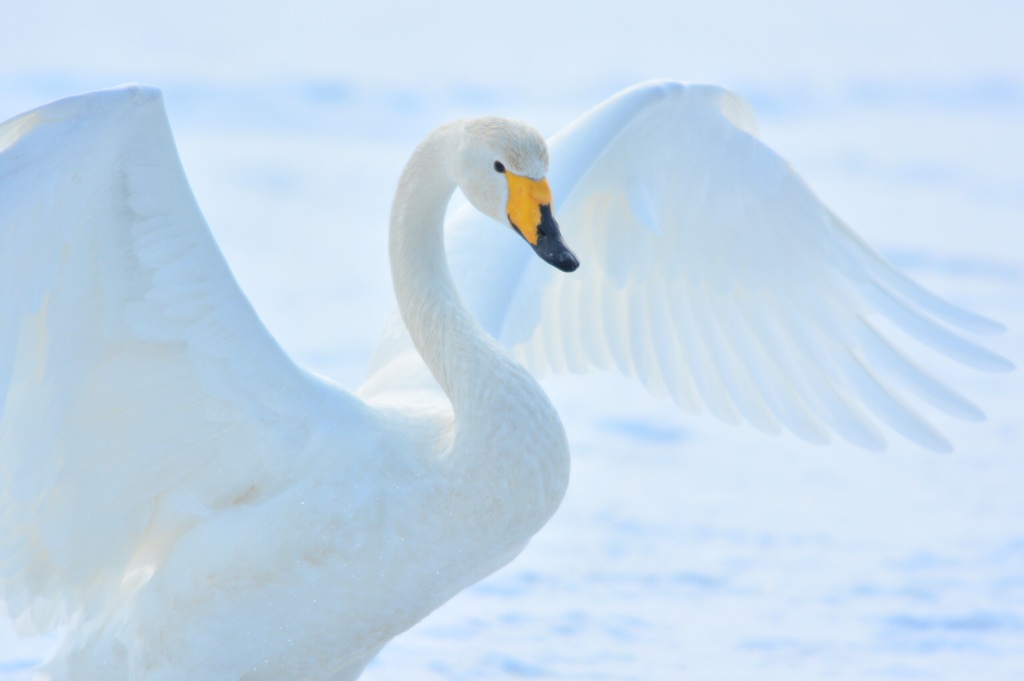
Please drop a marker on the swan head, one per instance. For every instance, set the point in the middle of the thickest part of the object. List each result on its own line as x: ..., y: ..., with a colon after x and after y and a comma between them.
x: 501, y: 167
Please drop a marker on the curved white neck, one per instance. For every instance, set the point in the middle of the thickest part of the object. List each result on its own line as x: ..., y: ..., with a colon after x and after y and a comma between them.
x: 458, y: 352
x: 508, y: 437
x: 427, y: 299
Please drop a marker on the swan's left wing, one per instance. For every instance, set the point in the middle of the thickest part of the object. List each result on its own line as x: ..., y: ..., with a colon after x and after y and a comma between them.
x: 711, y: 272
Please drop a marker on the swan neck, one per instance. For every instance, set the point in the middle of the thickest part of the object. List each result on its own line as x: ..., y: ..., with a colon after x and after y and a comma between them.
x: 441, y: 328
x: 508, y: 460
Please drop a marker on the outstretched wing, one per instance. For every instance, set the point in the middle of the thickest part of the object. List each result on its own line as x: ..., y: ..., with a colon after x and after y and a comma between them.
x: 138, y: 389
x: 711, y: 272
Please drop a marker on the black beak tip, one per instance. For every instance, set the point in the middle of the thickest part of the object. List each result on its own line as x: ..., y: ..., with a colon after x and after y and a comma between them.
x: 555, y: 253
x: 550, y: 246
x: 566, y: 261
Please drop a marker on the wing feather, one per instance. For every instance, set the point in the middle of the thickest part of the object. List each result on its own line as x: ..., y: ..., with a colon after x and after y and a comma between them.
x: 668, y: 354
x: 700, y: 355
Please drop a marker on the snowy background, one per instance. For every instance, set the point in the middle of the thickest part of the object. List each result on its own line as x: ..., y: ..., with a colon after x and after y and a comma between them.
x: 684, y: 549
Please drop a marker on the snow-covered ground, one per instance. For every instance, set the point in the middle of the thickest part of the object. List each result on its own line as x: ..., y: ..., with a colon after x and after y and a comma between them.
x: 684, y: 549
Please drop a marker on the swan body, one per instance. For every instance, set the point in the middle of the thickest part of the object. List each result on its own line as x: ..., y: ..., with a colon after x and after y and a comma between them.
x: 193, y: 505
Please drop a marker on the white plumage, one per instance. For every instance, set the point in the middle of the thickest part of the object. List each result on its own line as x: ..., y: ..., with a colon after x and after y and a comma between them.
x: 196, y: 506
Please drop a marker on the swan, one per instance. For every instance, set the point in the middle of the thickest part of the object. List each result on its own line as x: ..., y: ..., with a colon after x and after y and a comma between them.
x: 188, y: 503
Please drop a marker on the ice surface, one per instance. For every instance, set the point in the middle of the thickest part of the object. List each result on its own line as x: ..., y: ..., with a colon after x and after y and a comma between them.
x: 685, y: 549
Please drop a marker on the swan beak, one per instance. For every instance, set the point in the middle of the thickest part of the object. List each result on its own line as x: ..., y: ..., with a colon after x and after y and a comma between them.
x: 529, y: 212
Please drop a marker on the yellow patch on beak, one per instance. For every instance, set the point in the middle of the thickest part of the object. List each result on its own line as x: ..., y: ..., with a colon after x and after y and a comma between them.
x: 525, y: 197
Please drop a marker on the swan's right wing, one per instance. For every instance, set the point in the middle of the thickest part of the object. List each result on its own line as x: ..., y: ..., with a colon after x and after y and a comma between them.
x: 710, y: 271
x: 139, y: 392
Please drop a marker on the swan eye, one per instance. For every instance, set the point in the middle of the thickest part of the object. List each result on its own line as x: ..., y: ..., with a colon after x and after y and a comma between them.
x: 499, y: 166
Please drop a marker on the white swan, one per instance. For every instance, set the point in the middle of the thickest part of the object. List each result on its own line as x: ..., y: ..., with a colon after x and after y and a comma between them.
x: 195, y: 506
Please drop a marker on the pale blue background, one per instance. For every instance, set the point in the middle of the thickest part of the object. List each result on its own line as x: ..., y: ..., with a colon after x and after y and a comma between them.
x: 685, y: 549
